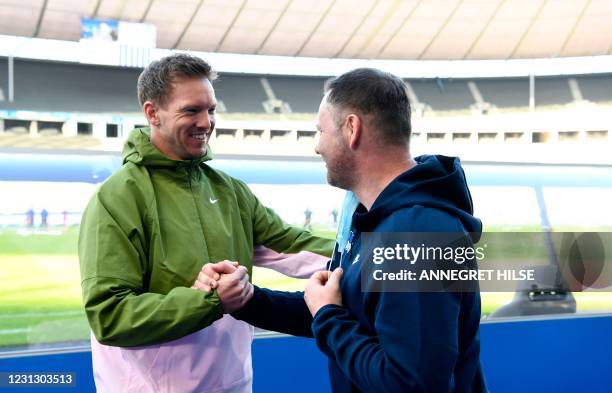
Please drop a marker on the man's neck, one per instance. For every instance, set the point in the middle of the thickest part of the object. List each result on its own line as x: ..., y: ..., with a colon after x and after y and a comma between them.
x: 376, y: 174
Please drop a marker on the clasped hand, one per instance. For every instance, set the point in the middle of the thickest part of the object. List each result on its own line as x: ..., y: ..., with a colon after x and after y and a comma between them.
x: 234, y: 289
x: 231, y: 282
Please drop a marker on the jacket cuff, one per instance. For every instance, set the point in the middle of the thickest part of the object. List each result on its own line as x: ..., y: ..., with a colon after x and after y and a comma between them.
x: 213, y: 299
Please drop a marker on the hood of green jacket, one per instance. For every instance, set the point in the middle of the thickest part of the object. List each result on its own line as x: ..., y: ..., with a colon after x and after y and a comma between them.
x: 139, y: 150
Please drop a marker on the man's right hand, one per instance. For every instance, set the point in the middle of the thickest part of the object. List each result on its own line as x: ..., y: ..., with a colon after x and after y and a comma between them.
x: 230, y: 280
x: 208, y: 277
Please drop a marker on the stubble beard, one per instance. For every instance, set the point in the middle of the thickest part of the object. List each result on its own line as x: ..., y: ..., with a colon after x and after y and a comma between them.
x: 341, y: 171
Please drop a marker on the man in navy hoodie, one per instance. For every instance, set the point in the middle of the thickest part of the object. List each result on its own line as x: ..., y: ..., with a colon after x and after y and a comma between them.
x: 382, y: 341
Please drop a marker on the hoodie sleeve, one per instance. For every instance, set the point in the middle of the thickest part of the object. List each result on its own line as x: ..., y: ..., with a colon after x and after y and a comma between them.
x: 120, y: 310
x: 283, y: 312
x: 414, y: 347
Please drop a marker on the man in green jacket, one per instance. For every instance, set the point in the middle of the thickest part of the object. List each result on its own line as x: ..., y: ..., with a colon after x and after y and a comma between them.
x: 149, y: 229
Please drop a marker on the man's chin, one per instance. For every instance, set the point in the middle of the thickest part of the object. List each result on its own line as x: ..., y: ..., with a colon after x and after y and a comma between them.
x: 195, y: 154
x: 332, y: 181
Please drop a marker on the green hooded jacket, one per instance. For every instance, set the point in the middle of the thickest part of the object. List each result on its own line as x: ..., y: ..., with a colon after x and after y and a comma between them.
x: 148, y: 230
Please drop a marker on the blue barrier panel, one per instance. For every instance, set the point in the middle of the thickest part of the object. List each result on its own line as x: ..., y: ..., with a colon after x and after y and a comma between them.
x: 78, y: 363
x: 289, y: 364
x: 564, y: 354
x: 558, y: 354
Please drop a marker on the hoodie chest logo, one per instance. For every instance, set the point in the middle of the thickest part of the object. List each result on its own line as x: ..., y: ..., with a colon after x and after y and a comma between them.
x: 213, y: 201
x: 349, y: 243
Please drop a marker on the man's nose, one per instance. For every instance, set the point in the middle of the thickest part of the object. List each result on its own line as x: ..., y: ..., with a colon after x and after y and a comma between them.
x: 205, y: 120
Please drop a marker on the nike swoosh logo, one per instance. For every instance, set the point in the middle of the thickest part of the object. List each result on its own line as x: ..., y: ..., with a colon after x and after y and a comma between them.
x: 356, y: 259
x: 213, y: 201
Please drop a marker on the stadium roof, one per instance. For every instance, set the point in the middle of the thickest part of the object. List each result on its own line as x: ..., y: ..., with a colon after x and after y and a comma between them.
x: 369, y: 29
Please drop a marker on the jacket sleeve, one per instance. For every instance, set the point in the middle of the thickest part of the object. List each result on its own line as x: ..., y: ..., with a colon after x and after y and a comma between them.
x: 414, y: 347
x: 271, y: 231
x: 284, y: 312
x: 119, y: 307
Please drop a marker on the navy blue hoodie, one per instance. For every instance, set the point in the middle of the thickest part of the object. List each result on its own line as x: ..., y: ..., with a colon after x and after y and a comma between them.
x: 394, y: 341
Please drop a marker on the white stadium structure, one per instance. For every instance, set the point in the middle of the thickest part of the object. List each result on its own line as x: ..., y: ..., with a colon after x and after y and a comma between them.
x: 489, y: 80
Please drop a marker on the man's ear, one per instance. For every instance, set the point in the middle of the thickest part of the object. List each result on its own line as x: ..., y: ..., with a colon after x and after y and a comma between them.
x: 151, y: 113
x: 354, y: 128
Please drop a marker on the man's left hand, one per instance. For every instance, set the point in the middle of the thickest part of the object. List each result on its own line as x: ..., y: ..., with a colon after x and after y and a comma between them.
x: 323, y: 288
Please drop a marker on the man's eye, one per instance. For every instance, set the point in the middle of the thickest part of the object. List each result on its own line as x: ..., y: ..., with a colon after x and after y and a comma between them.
x: 212, y: 111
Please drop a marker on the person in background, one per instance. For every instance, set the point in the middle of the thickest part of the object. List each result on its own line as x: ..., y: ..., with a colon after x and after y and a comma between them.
x: 30, y: 218
x: 334, y: 214
x: 44, y: 215
x: 307, y: 219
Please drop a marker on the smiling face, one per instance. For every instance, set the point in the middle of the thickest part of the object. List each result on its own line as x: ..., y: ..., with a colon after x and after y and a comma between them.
x: 181, y: 127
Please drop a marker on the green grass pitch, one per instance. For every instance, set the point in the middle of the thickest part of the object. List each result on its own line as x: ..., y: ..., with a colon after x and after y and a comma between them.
x: 40, y: 294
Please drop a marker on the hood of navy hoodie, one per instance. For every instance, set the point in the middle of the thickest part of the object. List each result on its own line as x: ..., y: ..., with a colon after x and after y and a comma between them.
x: 436, y: 182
